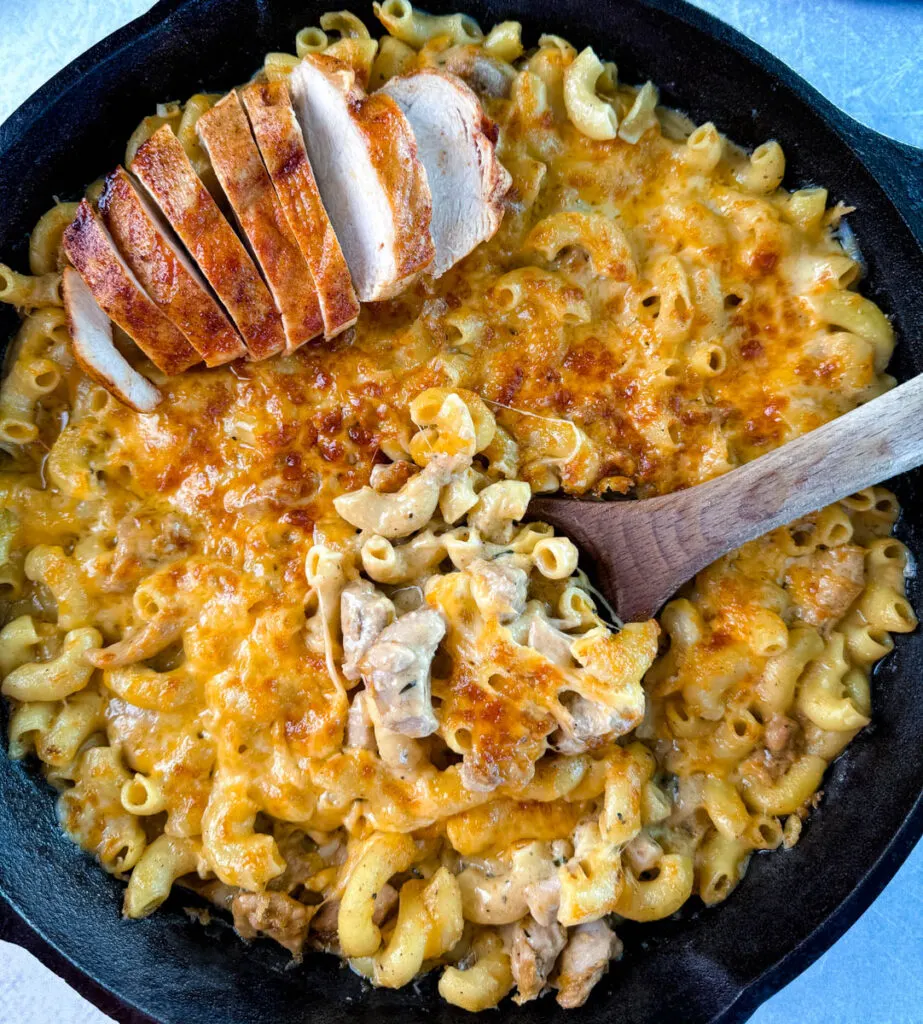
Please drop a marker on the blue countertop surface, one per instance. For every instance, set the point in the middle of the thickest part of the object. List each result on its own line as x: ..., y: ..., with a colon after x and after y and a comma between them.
x: 867, y: 57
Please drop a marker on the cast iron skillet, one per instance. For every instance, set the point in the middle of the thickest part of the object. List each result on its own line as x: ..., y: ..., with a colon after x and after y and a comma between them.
x: 702, y: 965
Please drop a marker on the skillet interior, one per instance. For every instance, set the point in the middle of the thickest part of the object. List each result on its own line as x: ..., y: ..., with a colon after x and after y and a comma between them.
x: 714, y: 965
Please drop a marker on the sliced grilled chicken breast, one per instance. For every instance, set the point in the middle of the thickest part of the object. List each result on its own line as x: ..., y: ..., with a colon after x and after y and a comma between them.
x: 370, y: 178
x: 164, y: 169
x: 455, y: 142
x: 225, y: 133
x: 90, y: 248
x: 282, y: 147
x: 91, y: 336
x: 157, y: 260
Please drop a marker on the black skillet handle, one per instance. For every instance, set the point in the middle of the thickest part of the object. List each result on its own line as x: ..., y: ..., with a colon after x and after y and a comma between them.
x: 898, y: 168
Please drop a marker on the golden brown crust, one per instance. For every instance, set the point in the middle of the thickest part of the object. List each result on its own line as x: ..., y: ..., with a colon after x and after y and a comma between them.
x: 281, y: 144
x: 165, y: 170
x: 392, y: 150
x: 168, y: 281
x: 225, y: 134
x: 91, y: 250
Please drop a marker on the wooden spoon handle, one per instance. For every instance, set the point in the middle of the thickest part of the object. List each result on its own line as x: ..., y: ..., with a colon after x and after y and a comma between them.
x: 879, y: 440
x: 687, y: 530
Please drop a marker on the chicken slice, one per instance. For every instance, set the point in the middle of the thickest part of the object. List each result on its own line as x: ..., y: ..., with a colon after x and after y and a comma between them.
x: 225, y: 134
x: 281, y: 144
x: 455, y: 141
x: 535, y: 949
x: 584, y: 961
x: 370, y: 177
x: 164, y: 169
x: 94, y: 350
x: 364, y: 613
x: 396, y: 670
x: 119, y: 293
x: 156, y: 258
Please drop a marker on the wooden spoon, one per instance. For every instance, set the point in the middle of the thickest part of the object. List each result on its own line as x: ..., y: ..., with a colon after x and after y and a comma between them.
x: 645, y: 550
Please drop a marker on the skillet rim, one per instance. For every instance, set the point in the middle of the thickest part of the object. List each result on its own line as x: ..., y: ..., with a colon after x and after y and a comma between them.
x: 860, y: 140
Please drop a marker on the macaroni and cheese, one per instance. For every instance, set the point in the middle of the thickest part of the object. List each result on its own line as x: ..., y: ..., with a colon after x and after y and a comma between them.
x: 288, y: 641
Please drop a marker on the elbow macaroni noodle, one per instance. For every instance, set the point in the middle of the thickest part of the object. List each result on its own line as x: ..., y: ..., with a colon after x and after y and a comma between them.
x: 288, y: 642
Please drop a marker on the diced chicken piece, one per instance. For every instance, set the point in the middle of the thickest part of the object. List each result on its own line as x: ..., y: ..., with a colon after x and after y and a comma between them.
x: 164, y: 169
x: 364, y: 731
x: 225, y: 134
x: 141, y: 543
x: 364, y: 613
x: 370, y: 177
x: 584, y: 961
x: 544, y: 899
x: 156, y: 258
x: 643, y: 853
x: 397, y: 671
x: 824, y: 584
x: 221, y: 895
x: 593, y: 723
x: 550, y: 641
x: 282, y: 147
x: 486, y: 75
x: 273, y: 914
x: 95, y: 351
x: 360, y: 732
x: 385, y: 902
x: 120, y: 295
x: 780, y: 731
x: 325, y: 923
x: 768, y: 766
x: 498, y: 589
x: 535, y: 949
x: 456, y: 143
